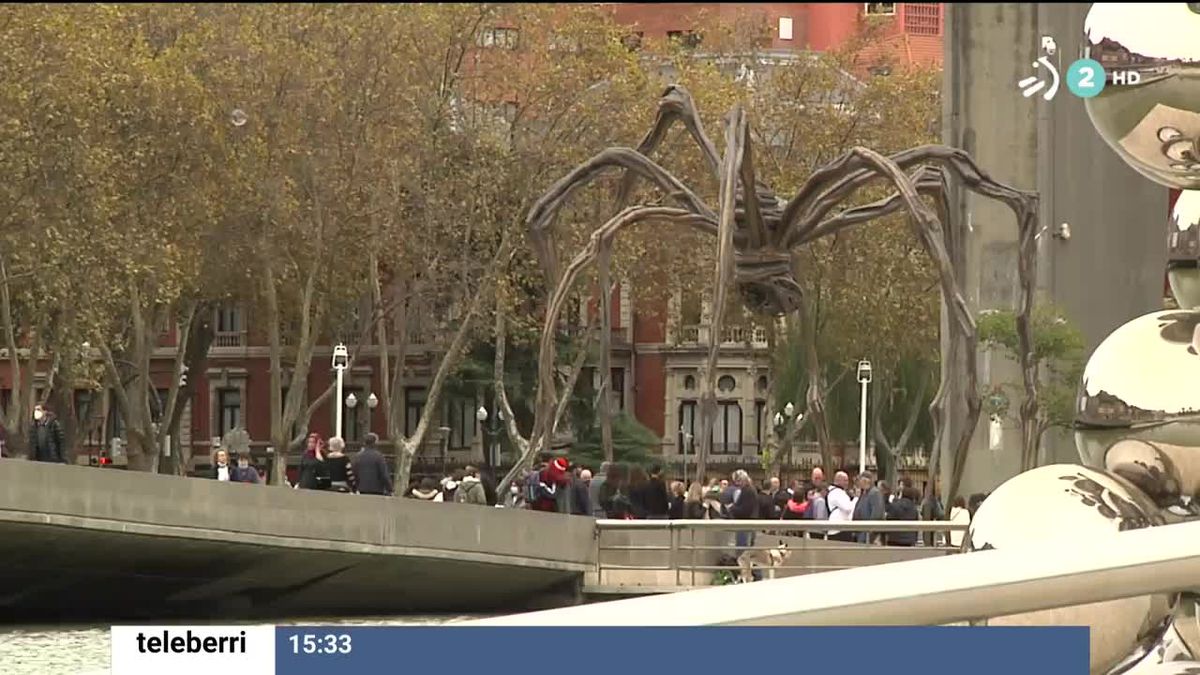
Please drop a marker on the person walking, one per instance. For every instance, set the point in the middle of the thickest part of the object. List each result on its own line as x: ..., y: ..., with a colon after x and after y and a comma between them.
x: 471, y: 491
x: 426, y: 491
x: 959, y: 515
x: 655, y: 500
x: 841, y: 506
x: 869, y: 506
x: 337, y: 464
x: 46, y: 440
x: 596, y: 490
x: 744, y: 507
x: 904, y: 507
x: 581, y: 498
x: 243, y: 472
x: 371, y: 471
x: 677, y: 500
x: 313, y: 473
x: 221, y: 468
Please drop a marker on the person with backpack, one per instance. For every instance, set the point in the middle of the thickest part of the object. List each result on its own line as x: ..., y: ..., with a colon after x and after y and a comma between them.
x: 818, y: 509
x: 543, y: 485
x: 470, y: 490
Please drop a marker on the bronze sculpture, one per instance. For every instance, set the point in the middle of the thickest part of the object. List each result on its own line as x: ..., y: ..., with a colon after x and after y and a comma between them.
x: 757, y: 234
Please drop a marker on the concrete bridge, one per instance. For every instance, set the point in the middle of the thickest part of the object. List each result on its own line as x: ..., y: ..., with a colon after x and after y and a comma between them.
x: 81, y: 542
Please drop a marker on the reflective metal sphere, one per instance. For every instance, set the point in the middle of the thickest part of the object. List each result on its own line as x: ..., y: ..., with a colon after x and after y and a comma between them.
x: 1174, y: 668
x: 1183, y: 250
x: 1063, y: 503
x: 1168, y: 474
x: 1154, y: 125
x: 1143, y: 373
x: 1187, y: 622
x: 1167, y: 648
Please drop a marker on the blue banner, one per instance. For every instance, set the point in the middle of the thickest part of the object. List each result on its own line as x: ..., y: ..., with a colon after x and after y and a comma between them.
x: 895, y: 650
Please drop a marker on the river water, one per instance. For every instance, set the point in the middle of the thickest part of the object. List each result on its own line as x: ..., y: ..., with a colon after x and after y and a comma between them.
x: 84, y: 649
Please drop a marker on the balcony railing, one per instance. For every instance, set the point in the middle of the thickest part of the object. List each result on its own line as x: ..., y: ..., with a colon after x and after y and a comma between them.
x: 755, y: 336
x: 230, y: 339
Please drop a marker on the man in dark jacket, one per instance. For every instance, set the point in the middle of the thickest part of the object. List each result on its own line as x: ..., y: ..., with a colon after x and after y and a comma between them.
x: 904, y: 507
x: 371, y: 470
x: 46, y: 442
x: 744, y: 507
x: 581, y: 502
x: 657, y: 501
x: 870, y: 505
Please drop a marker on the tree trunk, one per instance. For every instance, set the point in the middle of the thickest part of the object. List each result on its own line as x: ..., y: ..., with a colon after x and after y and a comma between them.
x: 605, y: 408
x: 409, y: 446
x: 814, y: 395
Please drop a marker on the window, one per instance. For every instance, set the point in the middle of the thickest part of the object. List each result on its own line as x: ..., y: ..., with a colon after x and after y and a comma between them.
x: 923, y: 18
x: 881, y: 9
x: 689, y: 39
x: 617, y: 389
x: 229, y: 327
x: 726, y: 383
x: 460, y: 417
x: 761, y: 385
x: 687, y: 427
x: 727, y: 432
x: 158, y: 405
x: 689, y: 382
x: 351, y: 421
x: 785, y: 28
x: 760, y: 423
x: 501, y: 38
x: 82, y: 399
x: 229, y: 410
x: 414, y: 406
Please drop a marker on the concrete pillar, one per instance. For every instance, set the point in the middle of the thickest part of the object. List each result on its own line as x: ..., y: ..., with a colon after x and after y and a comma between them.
x: 1111, y: 269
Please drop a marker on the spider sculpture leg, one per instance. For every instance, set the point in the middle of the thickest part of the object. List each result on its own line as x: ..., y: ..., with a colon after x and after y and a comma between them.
x: 545, y: 209
x: 600, y: 243
x: 806, y: 221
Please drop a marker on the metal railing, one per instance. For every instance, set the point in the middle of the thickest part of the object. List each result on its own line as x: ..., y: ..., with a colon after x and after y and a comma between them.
x: 229, y: 339
x: 935, y: 591
x: 690, y: 561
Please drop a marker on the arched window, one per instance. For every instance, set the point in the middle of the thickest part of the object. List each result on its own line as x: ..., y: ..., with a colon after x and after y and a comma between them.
x: 689, y: 382
x: 726, y: 384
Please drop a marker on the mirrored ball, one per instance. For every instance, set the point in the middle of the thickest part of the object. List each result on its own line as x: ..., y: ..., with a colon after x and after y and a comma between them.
x: 1053, y: 506
x: 1154, y: 125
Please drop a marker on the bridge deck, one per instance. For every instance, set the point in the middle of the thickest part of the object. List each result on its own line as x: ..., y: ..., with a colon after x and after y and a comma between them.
x: 87, y: 542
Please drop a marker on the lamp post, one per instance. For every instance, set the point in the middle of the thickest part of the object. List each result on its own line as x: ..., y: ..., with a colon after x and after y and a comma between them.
x: 341, y: 358
x: 492, y: 431
x: 864, y: 378
x: 687, y: 446
x: 792, y: 420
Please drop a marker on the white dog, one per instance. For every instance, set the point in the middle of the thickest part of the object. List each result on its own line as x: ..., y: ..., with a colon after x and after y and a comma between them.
x: 770, y: 559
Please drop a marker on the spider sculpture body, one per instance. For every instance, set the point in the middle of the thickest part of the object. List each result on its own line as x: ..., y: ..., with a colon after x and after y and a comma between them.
x: 756, y: 233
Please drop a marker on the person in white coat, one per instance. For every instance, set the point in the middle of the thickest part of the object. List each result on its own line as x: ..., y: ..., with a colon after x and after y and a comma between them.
x: 959, y: 515
x: 841, y: 506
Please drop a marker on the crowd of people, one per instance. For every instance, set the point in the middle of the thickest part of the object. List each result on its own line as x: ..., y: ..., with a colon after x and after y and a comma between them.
x: 616, y: 491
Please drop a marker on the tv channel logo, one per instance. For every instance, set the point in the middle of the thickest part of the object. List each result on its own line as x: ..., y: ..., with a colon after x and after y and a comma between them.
x: 1086, y: 78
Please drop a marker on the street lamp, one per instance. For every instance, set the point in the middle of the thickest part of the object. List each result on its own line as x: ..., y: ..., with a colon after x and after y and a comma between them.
x: 341, y: 359
x: 792, y: 420
x: 687, y: 445
x: 351, y: 401
x: 372, y: 401
x: 493, y: 433
x: 864, y: 378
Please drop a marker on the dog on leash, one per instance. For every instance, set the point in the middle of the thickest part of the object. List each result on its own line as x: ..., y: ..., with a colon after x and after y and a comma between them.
x: 770, y: 559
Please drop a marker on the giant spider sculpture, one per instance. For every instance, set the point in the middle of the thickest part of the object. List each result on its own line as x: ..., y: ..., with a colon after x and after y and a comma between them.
x: 757, y: 232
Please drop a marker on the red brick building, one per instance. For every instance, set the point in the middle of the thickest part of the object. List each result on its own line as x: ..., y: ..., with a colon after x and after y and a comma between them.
x: 657, y: 349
